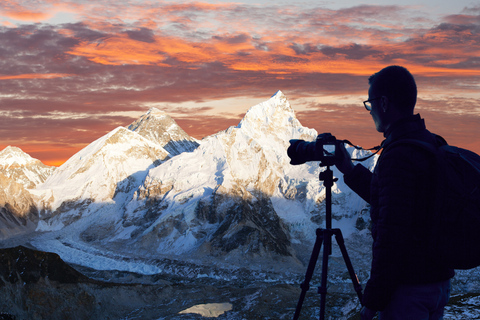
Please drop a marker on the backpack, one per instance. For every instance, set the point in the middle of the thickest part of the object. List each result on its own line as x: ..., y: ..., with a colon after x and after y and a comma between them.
x: 455, y: 229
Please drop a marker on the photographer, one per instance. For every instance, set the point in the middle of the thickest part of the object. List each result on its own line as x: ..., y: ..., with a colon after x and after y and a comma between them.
x: 406, y: 282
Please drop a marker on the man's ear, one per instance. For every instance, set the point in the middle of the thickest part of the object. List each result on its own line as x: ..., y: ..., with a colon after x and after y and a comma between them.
x: 384, y: 103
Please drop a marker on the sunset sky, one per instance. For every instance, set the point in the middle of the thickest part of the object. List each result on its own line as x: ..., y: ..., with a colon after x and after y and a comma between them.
x: 71, y: 71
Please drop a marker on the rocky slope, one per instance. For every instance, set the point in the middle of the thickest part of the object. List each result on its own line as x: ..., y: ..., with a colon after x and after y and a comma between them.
x: 18, y: 210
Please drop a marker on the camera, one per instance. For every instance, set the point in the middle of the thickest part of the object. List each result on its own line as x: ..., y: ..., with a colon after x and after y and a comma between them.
x: 323, y: 149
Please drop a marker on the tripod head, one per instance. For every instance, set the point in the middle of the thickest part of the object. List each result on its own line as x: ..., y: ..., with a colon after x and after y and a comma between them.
x: 328, y: 180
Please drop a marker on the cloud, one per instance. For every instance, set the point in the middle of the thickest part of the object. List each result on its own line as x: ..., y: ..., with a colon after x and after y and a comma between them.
x: 141, y: 34
x: 36, y: 11
x: 125, y: 55
x: 16, y: 11
x: 35, y: 76
x: 27, y: 15
x: 351, y: 52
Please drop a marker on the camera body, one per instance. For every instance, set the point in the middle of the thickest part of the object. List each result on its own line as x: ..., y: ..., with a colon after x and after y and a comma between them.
x: 325, y: 149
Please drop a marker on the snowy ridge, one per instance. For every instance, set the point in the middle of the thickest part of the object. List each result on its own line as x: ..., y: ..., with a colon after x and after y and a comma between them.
x: 94, y: 173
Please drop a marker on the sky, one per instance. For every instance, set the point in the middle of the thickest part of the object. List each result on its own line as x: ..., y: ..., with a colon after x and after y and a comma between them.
x: 72, y: 71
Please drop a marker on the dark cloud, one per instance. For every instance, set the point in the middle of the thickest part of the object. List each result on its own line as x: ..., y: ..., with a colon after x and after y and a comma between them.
x: 306, y: 48
x: 233, y: 39
x: 32, y: 49
x: 353, y: 51
x: 82, y: 31
x: 371, y: 11
x: 141, y: 34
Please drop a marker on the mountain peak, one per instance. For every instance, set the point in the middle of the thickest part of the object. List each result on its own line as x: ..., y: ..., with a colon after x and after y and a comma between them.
x: 159, y: 127
x: 21, y: 167
x: 156, y: 111
x: 15, y: 156
x: 279, y: 95
x: 274, y: 114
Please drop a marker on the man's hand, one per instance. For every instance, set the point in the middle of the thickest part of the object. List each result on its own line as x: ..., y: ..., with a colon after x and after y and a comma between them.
x: 367, y: 314
x: 344, y: 163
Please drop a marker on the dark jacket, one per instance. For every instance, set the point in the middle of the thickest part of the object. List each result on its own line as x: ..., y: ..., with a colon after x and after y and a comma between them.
x: 401, y: 194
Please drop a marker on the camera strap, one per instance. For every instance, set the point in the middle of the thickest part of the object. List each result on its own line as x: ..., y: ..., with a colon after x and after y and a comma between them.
x: 376, y: 149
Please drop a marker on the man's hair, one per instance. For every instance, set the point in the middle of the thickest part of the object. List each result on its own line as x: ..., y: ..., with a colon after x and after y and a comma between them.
x: 398, y: 85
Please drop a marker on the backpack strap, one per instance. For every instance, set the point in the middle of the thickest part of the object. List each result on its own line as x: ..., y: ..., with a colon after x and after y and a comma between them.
x: 422, y: 144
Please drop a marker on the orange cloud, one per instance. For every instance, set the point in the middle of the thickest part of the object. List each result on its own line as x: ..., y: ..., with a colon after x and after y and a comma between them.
x: 28, y: 15
x: 265, y: 43
x: 245, y: 56
x: 16, y: 11
x: 119, y: 50
x: 40, y: 11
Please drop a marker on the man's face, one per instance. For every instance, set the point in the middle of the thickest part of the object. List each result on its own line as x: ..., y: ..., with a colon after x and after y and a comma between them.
x: 377, y: 112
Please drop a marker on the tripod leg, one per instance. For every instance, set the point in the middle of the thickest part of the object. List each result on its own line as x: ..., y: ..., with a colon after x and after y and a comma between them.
x: 327, y: 250
x: 308, y: 276
x: 348, y: 262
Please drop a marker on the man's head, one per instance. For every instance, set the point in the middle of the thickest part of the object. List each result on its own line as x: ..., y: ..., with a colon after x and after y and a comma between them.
x: 393, y: 94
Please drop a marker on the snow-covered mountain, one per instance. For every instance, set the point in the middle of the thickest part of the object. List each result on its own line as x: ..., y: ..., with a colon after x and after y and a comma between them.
x: 21, y: 167
x: 236, y: 194
x: 234, y: 197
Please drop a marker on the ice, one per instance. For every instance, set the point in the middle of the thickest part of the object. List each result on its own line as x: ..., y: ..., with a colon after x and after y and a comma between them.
x: 211, y: 310
x: 84, y: 255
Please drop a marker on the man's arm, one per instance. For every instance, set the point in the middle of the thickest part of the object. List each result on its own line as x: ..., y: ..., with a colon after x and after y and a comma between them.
x: 358, y: 178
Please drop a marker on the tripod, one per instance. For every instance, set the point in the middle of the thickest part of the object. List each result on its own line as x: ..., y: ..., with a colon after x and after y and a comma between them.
x: 324, y: 236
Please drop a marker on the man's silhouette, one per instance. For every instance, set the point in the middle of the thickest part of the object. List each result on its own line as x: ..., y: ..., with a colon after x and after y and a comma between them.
x: 406, y: 282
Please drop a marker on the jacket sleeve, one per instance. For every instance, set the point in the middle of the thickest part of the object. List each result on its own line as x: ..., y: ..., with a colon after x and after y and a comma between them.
x: 359, y: 180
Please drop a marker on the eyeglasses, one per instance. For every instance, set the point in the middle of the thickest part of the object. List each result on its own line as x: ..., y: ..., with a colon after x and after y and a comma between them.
x: 368, y: 103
